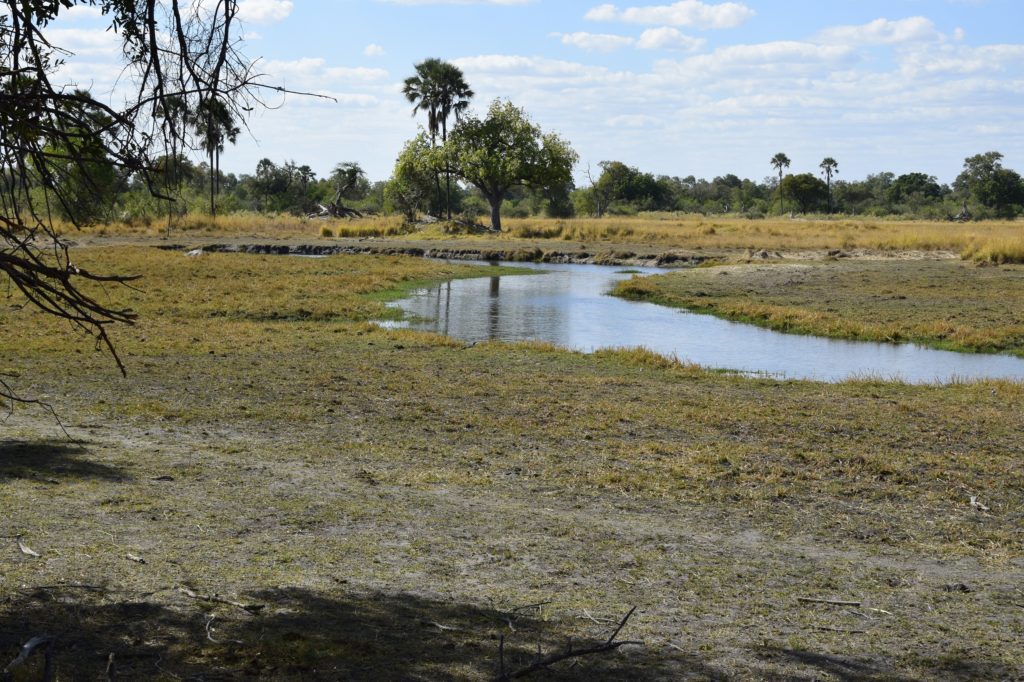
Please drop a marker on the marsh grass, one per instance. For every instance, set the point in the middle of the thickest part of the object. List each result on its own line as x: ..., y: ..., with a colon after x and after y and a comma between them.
x: 703, y: 232
x: 942, y: 304
x: 250, y: 224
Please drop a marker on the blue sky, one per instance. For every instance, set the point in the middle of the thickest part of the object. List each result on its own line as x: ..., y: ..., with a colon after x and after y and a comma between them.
x: 679, y: 88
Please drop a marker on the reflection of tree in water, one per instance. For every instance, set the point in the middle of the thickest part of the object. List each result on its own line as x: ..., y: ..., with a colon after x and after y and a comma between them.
x: 488, y: 309
x: 494, y: 312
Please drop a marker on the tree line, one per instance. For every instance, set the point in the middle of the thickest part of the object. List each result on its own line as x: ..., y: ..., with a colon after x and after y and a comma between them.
x: 468, y: 167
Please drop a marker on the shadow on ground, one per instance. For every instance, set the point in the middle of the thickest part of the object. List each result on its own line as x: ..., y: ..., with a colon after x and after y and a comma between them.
x: 851, y: 668
x: 51, y: 461
x: 300, y: 634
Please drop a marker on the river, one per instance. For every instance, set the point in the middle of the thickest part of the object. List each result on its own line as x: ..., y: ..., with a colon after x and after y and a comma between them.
x: 568, y: 305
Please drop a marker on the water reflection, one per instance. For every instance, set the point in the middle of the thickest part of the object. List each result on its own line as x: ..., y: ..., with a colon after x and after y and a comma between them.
x: 567, y: 305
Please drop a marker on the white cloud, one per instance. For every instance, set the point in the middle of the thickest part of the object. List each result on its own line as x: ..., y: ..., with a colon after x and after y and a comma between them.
x: 374, y: 50
x: 315, y: 70
x: 631, y: 121
x: 882, y: 32
x: 790, y: 58
x: 952, y: 60
x: 459, y: 2
x: 81, y: 12
x: 668, y: 38
x: 683, y: 13
x: 264, y: 11
x: 602, y: 42
x: 86, y: 41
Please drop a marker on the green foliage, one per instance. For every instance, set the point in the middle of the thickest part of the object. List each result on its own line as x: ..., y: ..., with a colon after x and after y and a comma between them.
x: 910, y: 184
x: 806, y: 190
x: 991, y: 185
x: 504, y: 150
x: 413, y: 181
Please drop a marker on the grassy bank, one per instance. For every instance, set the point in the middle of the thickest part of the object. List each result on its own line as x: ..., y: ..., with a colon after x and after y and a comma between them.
x: 943, y: 304
x: 991, y: 241
x: 395, y: 502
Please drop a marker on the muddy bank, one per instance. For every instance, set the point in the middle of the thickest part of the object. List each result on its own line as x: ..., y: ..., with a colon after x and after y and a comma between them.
x: 520, y: 255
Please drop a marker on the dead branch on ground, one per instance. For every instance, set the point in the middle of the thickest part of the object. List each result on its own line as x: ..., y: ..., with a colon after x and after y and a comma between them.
x: 544, y: 662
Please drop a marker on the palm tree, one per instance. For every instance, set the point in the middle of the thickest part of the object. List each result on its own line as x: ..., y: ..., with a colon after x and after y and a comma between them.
x: 829, y: 167
x: 438, y: 88
x: 214, y: 124
x: 453, y: 95
x: 780, y: 162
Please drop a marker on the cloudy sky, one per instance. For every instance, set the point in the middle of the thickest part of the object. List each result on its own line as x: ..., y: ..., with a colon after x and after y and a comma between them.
x: 679, y: 88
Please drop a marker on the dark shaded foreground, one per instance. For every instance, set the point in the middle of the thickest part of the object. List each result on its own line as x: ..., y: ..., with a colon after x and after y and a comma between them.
x: 301, y: 634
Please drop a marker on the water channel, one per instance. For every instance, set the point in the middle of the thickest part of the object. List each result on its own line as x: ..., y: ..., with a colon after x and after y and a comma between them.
x: 568, y: 305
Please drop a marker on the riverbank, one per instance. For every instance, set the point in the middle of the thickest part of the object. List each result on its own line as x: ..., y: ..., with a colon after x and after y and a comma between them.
x: 281, y: 490
x: 991, y: 241
x: 948, y: 304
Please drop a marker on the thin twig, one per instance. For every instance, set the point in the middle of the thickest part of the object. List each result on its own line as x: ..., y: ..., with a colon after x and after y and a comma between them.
x: 543, y: 662
x: 833, y: 602
x: 217, y: 599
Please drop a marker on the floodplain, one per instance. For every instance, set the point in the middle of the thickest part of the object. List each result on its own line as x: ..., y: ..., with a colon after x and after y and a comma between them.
x: 281, y: 489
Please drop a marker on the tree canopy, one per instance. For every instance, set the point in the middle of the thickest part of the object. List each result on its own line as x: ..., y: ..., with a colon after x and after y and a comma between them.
x: 504, y: 150
x: 991, y: 185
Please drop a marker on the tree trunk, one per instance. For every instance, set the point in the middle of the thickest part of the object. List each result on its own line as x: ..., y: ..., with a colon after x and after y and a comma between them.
x: 496, y: 212
x: 447, y: 173
x: 213, y: 205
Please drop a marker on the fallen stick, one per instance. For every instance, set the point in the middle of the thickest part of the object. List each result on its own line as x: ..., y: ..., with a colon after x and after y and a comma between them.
x: 833, y: 602
x: 217, y: 599
x: 27, y: 650
x: 541, y: 663
x: 439, y: 626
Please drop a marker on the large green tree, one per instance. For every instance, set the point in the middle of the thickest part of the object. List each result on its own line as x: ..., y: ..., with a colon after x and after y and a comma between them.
x: 991, y: 185
x: 807, y: 190
x: 505, y: 150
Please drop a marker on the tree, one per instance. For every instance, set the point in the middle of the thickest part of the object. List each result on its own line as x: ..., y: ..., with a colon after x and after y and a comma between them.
x: 991, y: 185
x: 829, y: 167
x: 506, y: 150
x: 88, y: 179
x: 780, y: 162
x: 806, y: 189
x: 411, y: 182
x: 349, y: 182
x: 440, y: 89
x: 174, y: 51
x: 910, y: 184
x: 214, y: 124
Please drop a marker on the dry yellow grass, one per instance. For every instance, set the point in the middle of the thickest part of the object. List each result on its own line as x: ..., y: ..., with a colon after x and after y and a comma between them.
x: 249, y: 224
x: 993, y: 241
x: 695, y: 231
